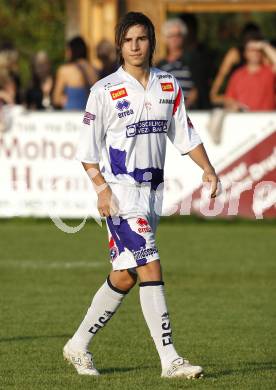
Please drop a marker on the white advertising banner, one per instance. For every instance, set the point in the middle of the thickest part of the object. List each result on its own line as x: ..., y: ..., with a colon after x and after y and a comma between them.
x: 39, y: 176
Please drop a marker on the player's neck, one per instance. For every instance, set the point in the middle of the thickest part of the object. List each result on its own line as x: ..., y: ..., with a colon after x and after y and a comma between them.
x: 140, y: 73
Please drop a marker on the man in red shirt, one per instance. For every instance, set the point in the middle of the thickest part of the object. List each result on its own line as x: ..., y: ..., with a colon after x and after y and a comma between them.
x: 252, y: 86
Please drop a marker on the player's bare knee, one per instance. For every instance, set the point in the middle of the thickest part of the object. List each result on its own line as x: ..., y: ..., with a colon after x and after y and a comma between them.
x: 122, y: 280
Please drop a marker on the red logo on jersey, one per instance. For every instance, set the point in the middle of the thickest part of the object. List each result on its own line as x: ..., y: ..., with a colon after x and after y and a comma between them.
x: 119, y: 93
x: 144, y: 225
x: 167, y: 87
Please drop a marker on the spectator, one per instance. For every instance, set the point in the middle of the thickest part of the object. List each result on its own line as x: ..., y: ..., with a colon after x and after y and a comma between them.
x: 7, y: 86
x: 232, y: 60
x: 107, y: 55
x: 38, y: 95
x: 200, y: 60
x: 11, y: 54
x: 175, y: 31
x: 252, y: 86
x: 75, y: 78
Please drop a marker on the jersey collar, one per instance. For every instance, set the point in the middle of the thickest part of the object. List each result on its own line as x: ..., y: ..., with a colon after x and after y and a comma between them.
x: 129, y: 78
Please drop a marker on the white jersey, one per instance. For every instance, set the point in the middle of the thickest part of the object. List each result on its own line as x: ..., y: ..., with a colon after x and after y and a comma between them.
x: 125, y: 127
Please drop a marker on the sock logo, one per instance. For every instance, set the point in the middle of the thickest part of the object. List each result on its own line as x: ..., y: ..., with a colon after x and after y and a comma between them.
x: 102, y: 320
x: 166, y: 327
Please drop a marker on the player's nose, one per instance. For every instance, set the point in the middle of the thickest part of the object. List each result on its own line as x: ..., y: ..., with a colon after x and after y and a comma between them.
x: 134, y: 45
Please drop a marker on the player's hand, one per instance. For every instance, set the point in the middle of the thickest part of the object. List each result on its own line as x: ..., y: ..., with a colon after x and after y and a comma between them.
x: 107, y: 202
x: 210, y: 176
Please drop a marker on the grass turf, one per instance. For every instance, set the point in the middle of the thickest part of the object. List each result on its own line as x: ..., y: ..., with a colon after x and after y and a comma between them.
x: 220, y: 285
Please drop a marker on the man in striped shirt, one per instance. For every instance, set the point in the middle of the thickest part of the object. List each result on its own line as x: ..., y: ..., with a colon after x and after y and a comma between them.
x: 174, y: 31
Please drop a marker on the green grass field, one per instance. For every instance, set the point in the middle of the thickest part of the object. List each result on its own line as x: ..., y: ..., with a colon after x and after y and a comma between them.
x: 220, y: 279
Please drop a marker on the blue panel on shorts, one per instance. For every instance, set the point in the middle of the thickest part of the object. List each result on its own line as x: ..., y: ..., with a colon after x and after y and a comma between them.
x: 125, y: 237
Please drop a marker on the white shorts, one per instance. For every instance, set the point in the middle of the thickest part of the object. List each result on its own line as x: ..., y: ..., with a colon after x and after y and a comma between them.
x: 131, y: 232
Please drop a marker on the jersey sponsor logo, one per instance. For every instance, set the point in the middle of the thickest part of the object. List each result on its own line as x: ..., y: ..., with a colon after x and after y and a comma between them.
x: 142, y: 253
x: 164, y: 76
x: 166, y: 101
x: 146, y: 127
x: 107, y: 86
x: 167, y: 87
x: 110, y: 85
x: 144, y: 225
x: 118, y: 93
x: 123, y: 105
x: 88, y: 117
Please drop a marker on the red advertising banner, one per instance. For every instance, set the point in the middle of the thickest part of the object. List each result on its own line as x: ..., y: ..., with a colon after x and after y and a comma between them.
x: 248, y: 186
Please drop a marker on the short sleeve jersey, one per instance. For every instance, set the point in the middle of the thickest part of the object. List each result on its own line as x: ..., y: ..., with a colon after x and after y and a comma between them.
x: 125, y: 127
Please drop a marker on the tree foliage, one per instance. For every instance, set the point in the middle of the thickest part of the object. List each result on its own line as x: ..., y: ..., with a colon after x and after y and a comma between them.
x: 33, y: 25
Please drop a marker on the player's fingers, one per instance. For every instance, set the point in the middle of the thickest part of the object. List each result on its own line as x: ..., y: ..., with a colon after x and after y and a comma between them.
x: 106, y: 211
x: 100, y: 211
x: 214, y: 186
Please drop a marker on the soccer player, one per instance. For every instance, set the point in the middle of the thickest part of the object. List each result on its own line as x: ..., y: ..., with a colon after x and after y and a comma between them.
x: 128, y: 117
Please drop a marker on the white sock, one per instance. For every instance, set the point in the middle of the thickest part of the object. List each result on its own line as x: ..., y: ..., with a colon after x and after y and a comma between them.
x: 104, y: 304
x: 153, y: 303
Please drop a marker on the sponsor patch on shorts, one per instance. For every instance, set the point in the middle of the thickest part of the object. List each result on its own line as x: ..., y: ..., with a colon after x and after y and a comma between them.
x: 144, y: 226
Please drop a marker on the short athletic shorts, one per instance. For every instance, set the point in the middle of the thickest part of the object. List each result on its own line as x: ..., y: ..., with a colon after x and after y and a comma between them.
x: 131, y: 232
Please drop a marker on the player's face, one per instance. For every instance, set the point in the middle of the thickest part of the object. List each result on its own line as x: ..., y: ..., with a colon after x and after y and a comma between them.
x: 136, y: 46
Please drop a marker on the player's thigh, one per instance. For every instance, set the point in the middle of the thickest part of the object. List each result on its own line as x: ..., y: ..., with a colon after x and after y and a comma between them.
x: 150, y: 272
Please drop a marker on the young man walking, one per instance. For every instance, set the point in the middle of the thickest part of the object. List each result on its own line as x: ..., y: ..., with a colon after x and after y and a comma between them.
x: 128, y: 117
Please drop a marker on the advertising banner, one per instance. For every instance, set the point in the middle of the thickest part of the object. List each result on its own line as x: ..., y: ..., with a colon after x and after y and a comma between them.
x: 40, y: 177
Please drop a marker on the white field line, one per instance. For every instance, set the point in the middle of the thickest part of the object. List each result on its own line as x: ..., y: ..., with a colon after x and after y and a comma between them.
x: 33, y: 264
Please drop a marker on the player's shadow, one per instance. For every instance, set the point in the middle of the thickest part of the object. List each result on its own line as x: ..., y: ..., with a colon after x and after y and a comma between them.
x: 249, y: 367
x: 23, y: 338
x: 115, y: 370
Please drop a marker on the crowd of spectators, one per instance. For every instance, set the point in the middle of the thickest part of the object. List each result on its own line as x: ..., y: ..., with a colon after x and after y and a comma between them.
x: 244, y: 81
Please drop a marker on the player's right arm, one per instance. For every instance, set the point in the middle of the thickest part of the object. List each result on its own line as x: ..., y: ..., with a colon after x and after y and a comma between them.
x: 89, y: 151
x: 106, y: 202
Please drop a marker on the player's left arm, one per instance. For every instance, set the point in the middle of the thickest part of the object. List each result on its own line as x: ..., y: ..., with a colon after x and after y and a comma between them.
x: 185, y: 138
x: 200, y: 157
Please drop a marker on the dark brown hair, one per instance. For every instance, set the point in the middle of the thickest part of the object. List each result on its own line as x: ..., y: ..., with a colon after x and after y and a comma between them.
x: 129, y: 20
x: 78, y: 48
